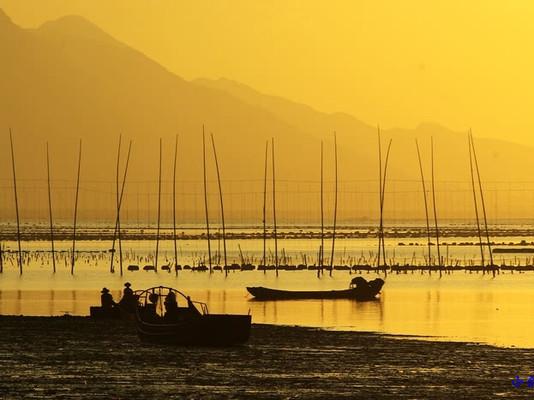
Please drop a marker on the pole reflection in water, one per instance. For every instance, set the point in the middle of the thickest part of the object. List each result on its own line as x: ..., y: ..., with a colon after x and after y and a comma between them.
x: 51, y: 302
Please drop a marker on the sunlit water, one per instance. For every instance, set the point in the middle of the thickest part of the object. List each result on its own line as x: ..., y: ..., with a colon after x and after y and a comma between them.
x: 460, y: 306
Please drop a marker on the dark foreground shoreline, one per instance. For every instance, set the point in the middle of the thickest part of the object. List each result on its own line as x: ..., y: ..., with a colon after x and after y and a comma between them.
x: 75, y: 357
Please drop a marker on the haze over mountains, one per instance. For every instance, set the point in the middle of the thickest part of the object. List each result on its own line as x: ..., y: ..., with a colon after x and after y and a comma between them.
x: 69, y: 80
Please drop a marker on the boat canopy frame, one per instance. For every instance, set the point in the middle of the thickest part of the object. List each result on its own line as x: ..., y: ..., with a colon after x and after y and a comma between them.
x: 162, y: 292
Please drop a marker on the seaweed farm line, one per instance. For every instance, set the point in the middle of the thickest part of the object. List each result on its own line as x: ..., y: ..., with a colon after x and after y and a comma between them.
x: 457, y: 233
x: 298, y: 249
x: 352, y: 254
x: 139, y: 261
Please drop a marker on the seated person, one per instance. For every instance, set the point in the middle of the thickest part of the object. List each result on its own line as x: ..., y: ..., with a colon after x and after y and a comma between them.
x: 106, y: 300
x: 150, y: 312
x: 171, y: 305
x: 358, y: 282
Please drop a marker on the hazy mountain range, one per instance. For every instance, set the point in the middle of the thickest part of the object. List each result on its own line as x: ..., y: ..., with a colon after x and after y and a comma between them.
x: 68, y: 80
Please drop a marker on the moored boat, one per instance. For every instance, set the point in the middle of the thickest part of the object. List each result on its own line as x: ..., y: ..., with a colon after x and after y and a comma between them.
x: 359, y: 289
x: 167, y: 316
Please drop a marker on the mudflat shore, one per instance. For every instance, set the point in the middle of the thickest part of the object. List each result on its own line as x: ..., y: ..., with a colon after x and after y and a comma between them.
x: 76, y: 357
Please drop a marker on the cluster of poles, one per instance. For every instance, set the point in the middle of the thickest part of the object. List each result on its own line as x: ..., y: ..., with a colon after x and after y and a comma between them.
x: 120, y: 183
x: 473, y: 164
x: 73, y: 253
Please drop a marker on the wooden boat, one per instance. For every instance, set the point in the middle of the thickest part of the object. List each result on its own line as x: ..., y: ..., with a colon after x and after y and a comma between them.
x: 186, y: 322
x: 359, y: 289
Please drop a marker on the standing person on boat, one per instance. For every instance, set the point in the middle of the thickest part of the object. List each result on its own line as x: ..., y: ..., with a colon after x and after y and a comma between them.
x: 127, y: 292
x: 128, y: 300
x: 107, y: 300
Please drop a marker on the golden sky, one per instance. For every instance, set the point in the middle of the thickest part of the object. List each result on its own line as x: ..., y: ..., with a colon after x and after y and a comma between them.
x: 399, y: 63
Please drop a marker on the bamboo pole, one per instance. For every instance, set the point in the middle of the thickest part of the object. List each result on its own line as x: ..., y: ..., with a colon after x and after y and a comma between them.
x: 475, y: 201
x: 117, y: 220
x: 174, y: 204
x: 426, y: 202
x: 274, y: 211
x: 16, y: 201
x: 383, y: 195
x: 321, y: 252
x: 222, y: 203
x: 118, y: 205
x: 119, y: 234
x: 241, y: 255
x: 159, y: 206
x: 482, y: 200
x: 335, y: 207
x: 50, y: 209
x: 380, y: 198
x: 434, y: 202
x: 265, y: 208
x: 206, y: 196
x: 117, y: 230
x: 73, y: 258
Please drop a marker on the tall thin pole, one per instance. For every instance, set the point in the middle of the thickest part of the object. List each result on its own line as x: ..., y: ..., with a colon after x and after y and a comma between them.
x: 335, y: 207
x: 383, y: 195
x: 50, y: 209
x: 16, y: 200
x: 222, y: 204
x: 426, y: 202
x: 117, y: 220
x: 321, y: 249
x: 117, y: 231
x: 475, y: 201
x: 73, y: 258
x: 482, y: 199
x: 274, y: 211
x: 265, y: 208
x: 206, y: 196
x: 379, y: 198
x: 120, y: 206
x: 434, y: 202
x: 174, y: 204
x: 159, y: 206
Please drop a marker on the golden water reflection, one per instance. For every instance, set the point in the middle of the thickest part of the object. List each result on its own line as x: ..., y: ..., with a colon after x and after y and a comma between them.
x: 462, y: 307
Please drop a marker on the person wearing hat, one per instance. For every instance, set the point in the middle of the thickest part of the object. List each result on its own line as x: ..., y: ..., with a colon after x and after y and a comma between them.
x: 106, y: 299
x: 128, y: 300
x: 127, y: 292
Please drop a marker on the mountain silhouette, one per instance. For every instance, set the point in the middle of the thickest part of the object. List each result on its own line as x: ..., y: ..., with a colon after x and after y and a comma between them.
x: 69, y: 80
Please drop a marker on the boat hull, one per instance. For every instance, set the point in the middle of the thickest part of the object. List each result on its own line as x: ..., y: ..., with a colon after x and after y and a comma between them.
x: 203, y: 330
x: 362, y: 294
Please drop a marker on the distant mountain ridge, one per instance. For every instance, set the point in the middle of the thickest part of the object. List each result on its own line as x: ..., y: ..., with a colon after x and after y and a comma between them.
x: 68, y: 80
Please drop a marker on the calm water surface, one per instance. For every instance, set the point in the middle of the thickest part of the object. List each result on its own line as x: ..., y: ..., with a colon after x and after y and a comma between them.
x: 459, y: 306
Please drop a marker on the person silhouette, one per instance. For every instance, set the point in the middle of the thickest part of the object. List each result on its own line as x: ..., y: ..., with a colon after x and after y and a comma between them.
x: 128, y: 301
x: 150, y: 312
x: 171, y: 305
x: 106, y: 299
x: 127, y: 290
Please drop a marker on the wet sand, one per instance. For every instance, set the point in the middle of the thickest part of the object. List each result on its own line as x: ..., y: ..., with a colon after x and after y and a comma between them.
x: 75, y: 357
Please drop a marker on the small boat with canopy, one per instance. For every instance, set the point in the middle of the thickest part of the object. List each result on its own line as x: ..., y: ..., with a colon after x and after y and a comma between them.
x: 166, y: 315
